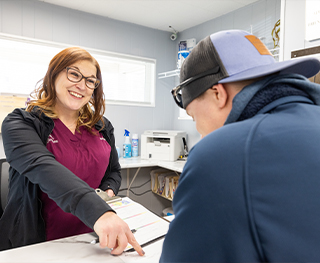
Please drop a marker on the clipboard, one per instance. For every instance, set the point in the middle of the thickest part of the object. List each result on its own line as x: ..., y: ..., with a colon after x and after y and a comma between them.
x: 148, y: 227
x: 106, y: 197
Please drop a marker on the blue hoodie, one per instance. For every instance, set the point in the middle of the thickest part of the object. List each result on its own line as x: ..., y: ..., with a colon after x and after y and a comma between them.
x: 250, y: 191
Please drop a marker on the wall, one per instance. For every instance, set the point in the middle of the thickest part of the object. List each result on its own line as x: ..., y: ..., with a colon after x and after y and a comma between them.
x: 260, y: 16
x: 39, y: 20
x: 293, y: 28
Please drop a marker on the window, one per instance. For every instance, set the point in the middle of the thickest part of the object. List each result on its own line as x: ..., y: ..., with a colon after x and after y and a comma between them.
x: 127, y: 80
x: 23, y: 64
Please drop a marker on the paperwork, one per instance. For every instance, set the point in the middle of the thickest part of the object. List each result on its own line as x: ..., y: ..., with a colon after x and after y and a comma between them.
x: 148, y: 225
x: 153, y: 253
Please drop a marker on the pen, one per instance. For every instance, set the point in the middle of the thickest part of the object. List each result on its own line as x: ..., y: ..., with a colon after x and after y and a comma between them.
x: 147, y: 243
x: 96, y: 241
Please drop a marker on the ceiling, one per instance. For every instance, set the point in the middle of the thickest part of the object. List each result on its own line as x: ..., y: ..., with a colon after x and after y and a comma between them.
x: 157, y: 14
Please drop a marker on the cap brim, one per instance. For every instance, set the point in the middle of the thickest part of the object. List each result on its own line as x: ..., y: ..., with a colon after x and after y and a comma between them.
x: 307, y: 67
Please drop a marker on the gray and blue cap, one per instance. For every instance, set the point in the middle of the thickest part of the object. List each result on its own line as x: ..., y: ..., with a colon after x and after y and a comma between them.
x: 233, y: 55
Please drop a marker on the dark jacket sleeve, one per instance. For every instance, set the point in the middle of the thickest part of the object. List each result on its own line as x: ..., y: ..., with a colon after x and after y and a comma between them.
x: 26, y: 152
x: 112, y: 178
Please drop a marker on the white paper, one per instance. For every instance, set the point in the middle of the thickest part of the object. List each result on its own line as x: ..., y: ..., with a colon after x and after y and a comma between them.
x: 148, y: 225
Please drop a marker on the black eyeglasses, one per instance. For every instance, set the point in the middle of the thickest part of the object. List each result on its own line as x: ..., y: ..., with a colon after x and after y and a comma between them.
x: 176, y: 92
x: 76, y: 76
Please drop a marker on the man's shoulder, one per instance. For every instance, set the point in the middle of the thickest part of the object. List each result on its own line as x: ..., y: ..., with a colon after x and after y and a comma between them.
x: 226, y: 143
x: 227, y: 135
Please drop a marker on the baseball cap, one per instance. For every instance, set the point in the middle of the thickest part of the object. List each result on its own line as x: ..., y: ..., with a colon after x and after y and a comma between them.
x: 229, y: 56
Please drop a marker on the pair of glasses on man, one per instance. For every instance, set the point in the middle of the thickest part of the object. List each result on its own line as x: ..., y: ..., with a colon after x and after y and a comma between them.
x: 76, y: 76
x: 176, y: 92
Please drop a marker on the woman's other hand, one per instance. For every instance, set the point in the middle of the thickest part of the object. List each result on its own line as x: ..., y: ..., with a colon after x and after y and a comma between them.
x: 110, y: 192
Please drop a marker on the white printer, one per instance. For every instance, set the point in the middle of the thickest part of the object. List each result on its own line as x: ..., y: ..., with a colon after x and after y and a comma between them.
x: 163, y: 145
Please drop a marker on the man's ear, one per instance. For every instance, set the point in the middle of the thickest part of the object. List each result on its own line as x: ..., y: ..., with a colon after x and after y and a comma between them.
x: 220, y: 95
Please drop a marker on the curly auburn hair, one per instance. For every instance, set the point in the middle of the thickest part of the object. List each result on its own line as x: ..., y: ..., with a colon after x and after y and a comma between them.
x: 45, y: 95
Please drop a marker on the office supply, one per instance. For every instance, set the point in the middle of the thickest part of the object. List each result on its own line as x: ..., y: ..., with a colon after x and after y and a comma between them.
x: 164, y: 182
x: 135, y: 145
x: 96, y: 241
x: 165, y: 145
x: 148, y: 225
x: 185, y: 147
x: 126, y: 145
x: 106, y: 197
x: 147, y: 243
x: 154, y: 178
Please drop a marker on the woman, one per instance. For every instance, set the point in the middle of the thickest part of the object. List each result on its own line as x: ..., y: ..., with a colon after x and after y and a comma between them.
x: 60, y: 148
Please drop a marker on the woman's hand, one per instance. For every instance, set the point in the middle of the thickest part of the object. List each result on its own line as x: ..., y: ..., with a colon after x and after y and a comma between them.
x: 114, y: 233
x: 110, y: 192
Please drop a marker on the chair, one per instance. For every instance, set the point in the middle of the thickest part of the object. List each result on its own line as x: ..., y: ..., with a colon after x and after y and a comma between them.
x: 4, y: 184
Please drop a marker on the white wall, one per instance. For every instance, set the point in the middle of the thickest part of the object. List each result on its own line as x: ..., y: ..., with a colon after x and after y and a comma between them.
x: 39, y: 20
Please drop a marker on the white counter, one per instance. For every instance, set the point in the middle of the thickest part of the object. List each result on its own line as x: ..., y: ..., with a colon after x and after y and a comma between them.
x: 77, y: 249
x: 176, y: 166
x: 136, y: 162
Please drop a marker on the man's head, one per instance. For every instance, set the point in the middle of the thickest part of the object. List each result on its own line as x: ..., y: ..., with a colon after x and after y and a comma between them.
x: 233, y: 57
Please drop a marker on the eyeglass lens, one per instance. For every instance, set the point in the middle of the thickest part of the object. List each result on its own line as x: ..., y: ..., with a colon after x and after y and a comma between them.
x: 176, y: 92
x: 178, y: 98
x: 76, y: 76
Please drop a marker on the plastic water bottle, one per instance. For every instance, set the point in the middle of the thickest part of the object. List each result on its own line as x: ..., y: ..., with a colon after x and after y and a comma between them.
x: 135, y: 145
x: 126, y: 145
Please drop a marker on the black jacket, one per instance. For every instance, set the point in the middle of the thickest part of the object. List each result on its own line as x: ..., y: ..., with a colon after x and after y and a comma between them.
x: 33, y: 167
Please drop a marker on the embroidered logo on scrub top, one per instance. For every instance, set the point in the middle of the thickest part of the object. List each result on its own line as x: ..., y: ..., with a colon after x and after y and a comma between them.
x: 51, y: 139
x: 102, y: 139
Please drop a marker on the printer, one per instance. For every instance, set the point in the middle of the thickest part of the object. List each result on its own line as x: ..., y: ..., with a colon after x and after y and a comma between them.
x: 164, y: 145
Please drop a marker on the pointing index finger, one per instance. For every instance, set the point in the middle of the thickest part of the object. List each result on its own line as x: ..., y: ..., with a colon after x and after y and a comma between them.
x: 133, y: 242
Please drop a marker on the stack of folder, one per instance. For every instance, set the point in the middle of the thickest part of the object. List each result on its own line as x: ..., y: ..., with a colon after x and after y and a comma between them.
x: 164, y: 182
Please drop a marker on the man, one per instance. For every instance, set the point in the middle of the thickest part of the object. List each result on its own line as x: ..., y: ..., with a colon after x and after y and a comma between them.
x: 250, y: 190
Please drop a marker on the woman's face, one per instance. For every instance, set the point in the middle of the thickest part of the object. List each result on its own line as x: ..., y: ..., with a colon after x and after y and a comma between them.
x: 71, y: 97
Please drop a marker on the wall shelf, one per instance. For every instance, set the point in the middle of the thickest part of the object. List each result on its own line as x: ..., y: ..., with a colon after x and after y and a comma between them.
x: 168, y: 74
x: 168, y: 198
